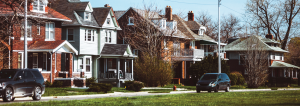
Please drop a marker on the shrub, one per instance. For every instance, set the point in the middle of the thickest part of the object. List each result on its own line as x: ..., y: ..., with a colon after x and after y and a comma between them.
x: 99, y: 87
x: 90, y: 81
x: 236, y: 78
x: 134, y: 85
x: 57, y: 83
x: 48, y: 84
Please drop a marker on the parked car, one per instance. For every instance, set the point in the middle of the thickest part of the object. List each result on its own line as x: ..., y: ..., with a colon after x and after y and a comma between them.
x: 213, y: 82
x: 21, y: 83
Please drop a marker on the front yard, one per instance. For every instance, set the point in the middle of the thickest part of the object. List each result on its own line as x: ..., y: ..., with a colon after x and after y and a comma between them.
x: 221, y: 98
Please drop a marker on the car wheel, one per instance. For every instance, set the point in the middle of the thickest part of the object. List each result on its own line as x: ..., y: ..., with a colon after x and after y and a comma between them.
x: 209, y: 91
x: 37, y: 93
x: 198, y: 91
x: 227, y: 89
x: 8, y: 95
x: 217, y: 88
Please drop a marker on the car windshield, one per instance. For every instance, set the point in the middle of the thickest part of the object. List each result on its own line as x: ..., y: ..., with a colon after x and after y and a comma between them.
x: 209, y: 77
x: 7, y: 74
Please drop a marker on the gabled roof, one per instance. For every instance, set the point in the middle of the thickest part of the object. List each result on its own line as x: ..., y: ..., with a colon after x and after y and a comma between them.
x: 118, y: 14
x: 193, y: 25
x: 279, y: 64
x: 47, y: 46
x: 117, y: 50
x: 242, y: 43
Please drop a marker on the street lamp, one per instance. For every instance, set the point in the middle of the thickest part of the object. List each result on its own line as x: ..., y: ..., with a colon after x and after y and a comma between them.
x: 25, y: 36
x: 219, y: 48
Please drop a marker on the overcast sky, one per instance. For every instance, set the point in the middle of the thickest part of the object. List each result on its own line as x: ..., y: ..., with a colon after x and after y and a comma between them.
x: 235, y: 7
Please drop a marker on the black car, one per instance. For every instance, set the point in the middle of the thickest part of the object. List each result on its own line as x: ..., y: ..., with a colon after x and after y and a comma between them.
x: 213, y: 82
x: 21, y: 83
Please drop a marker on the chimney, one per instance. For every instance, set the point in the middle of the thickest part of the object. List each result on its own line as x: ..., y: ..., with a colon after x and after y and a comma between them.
x: 269, y: 36
x: 106, y: 5
x: 190, y: 16
x: 168, y: 13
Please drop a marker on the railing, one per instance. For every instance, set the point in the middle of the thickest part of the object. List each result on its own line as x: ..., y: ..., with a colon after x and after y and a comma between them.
x: 114, y: 76
x: 188, y: 52
x: 198, y: 53
x: 208, y: 53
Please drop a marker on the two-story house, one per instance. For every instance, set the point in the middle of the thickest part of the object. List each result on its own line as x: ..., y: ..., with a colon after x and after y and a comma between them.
x: 186, y: 40
x: 275, y: 56
x: 46, y: 50
x: 93, y: 32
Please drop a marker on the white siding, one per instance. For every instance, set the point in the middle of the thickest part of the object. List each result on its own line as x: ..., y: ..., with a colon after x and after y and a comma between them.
x: 103, y: 35
x: 111, y: 21
x: 88, y: 47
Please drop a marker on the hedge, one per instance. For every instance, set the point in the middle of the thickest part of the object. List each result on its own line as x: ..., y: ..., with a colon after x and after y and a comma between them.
x: 134, y: 85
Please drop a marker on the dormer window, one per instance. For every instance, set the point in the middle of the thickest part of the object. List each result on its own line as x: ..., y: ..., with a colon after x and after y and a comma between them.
x: 163, y: 24
x: 130, y: 21
x: 38, y: 6
x: 87, y: 16
x: 201, y: 32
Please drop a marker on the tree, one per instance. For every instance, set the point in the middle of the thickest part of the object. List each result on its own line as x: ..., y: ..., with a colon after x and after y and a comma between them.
x: 153, y: 71
x: 208, y: 65
x: 293, y: 56
x: 275, y: 17
x: 255, y: 60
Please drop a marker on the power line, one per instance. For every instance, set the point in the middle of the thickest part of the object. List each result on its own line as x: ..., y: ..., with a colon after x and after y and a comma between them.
x: 189, y: 3
x: 232, y: 10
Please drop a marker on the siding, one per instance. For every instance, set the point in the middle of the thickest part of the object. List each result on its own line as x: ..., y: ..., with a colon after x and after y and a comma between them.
x: 88, y: 47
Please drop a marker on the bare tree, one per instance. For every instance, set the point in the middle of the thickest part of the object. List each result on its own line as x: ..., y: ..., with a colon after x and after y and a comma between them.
x: 230, y: 27
x: 275, y: 17
x: 255, y: 61
x: 206, y: 20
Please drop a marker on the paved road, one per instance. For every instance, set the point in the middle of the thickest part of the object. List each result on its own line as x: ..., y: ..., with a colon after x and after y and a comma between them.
x: 120, y: 94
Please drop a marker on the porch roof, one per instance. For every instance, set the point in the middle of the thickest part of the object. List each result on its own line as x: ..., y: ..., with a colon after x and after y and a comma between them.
x: 117, y: 50
x: 47, y: 46
x: 279, y: 64
x: 210, y: 42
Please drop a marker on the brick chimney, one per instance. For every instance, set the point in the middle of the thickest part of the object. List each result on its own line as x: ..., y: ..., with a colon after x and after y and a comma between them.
x: 168, y: 13
x: 269, y: 36
x: 190, y: 16
x: 106, y: 5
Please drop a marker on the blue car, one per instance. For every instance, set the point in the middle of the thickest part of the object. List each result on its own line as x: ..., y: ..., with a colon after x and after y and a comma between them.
x: 213, y: 82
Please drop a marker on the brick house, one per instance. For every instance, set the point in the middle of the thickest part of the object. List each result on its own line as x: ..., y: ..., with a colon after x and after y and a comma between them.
x: 46, y: 50
x: 185, y: 42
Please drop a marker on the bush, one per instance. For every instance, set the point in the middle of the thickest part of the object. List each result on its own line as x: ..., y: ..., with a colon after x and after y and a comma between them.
x: 90, y: 81
x: 99, y: 87
x: 134, y: 85
x: 236, y: 78
x: 57, y: 83
x: 48, y: 84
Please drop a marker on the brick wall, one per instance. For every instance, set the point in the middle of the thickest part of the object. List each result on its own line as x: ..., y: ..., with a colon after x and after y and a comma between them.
x: 70, y: 65
x: 46, y: 75
x: 58, y: 64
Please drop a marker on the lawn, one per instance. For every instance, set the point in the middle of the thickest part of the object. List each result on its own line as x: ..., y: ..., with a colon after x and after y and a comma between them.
x: 221, y: 98
x: 67, y: 91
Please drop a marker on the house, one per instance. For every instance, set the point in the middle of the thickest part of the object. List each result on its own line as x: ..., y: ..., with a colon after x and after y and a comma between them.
x: 275, y: 56
x: 46, y: 50
x: 184, y: 43
x: 93, y: 33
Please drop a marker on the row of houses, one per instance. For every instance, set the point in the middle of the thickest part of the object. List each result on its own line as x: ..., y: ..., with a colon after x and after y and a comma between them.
x: 76, y: 40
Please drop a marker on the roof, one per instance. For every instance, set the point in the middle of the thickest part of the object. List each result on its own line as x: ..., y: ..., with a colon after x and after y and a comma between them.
x: 280, y: 64
x: 114, y: 49
x: 193, y: 25
x: 72, y: 10
x: 101, y: 14
x: 45, y: 46
x: 49, y: 15
x: 118, y: 14
x: 266, y: 40
x: 242, y: 44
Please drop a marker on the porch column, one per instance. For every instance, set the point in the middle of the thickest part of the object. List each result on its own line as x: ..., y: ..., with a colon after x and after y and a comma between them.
x: 118, y: 73
x: 296, y: 73
x: 105, y: 68
x: 292, y: 72
x: 132, y: 69
x: 284, y: 72
x: 272, y: 73
x: 125, y: 67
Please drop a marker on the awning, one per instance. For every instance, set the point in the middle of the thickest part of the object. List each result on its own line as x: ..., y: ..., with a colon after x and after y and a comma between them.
x: 279, y: 64
x: 210, y: 42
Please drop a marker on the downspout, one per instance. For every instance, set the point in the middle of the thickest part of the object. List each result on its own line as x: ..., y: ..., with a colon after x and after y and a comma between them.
x: 50, y: 66
x: 55, y: 63
x: 9, y: 53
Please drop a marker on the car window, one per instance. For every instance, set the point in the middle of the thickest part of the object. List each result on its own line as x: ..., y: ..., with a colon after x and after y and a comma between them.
x: 37, y: 74
x: 225, y: 77
x: 28, y: 75
x: 7, y: 74
x: 20, y: 73
x: 220, y: 77
x: 209, y: 77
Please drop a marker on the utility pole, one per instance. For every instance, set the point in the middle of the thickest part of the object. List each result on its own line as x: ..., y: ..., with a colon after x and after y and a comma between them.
x: 25, y: 36
x: 219, y: 47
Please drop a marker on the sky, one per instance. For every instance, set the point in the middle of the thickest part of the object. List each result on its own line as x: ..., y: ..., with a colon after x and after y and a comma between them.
x: 235, y: 7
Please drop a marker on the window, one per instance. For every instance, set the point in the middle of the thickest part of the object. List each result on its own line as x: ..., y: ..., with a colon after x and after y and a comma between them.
x: 108, y: 37
x: 89, y: 35
x: 38, y: 6
x: 28, y: 30
x: 136, y: 52
x: 108, y: 20
x: 37, y: 74
x: 246, y: 72
x: 44, y: 61
x: 125, y: 40
x: 50, y: 31
x: 35, y: 60
x: 88, y: 64
x: 242, y: 59
x: 70, y: 34
x: 201, y: 32
x: 273, y: 56
x: 87, y: 16
x: 80, y: 61
x: 28, y: 75
x: 130, y: 21
x: 20, y: 63
x: 38, y: 29
x: 165, y: 44
x: 176, y: 46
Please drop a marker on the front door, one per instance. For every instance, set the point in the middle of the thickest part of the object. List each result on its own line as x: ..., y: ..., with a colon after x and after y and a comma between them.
x: 35, y: 60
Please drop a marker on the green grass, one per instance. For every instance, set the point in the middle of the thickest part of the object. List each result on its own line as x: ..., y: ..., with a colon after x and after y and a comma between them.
x: 180, y: 86
x: 199, y: 99
x: 67, y: 91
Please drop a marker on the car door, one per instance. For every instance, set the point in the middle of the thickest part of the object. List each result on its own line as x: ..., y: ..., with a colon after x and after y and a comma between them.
x: 30, y: 81
x: 226, y: 80
x: 220, y: 81
x: 20, y: 84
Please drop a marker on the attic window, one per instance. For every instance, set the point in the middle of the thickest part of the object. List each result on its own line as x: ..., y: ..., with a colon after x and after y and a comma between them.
x: 87, y: 16
x: 38, y: 6
x: 201, y: 32
x: 130, y: 21
x: 108, y: 20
